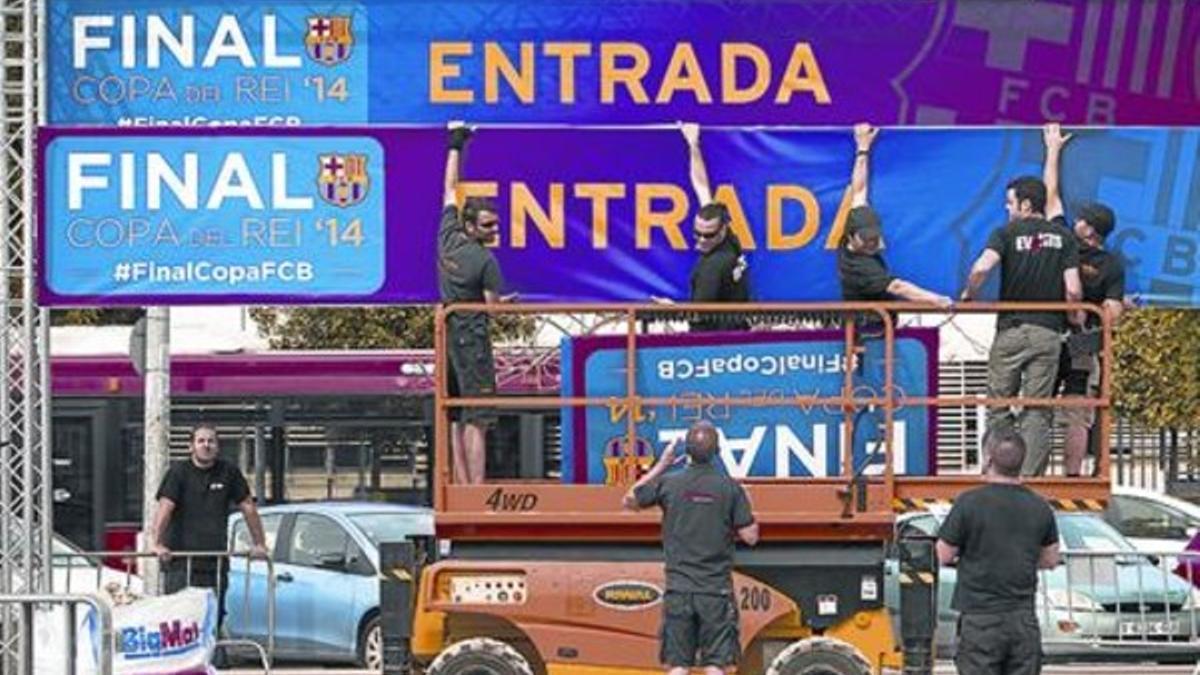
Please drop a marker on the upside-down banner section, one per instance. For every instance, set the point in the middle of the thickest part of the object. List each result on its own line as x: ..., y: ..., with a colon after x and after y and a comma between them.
x: 706, y: 370
x: 350, y: 215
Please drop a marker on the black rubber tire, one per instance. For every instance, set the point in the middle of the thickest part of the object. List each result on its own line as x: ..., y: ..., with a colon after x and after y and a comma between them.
x: 370, y: 637
x: 820, y: 656
x: 479, y: 656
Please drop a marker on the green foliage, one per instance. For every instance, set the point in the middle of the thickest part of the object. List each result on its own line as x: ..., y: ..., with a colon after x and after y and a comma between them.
x: 362, y: 327
x: 1157, y: 367
x: 95, y: 317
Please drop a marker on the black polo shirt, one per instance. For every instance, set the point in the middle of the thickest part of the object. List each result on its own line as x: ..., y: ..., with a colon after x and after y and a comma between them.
x: 1000, y: 530
x: 864, y: 277
x: 702, y: 511
x: 1034, y: 254
x: 466, y: 268
x: 721, y: 275
x: 1102, y: 273
x: 203, y: 500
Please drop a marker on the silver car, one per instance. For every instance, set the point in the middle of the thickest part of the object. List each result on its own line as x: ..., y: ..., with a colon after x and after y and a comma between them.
x: 1107, y: 603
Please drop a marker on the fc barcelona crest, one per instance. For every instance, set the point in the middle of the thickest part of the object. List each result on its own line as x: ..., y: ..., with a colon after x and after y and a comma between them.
x: 343, y: 179
x: 328, y: 40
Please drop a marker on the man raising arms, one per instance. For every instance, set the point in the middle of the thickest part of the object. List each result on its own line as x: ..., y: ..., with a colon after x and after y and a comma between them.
x: 469, y: 273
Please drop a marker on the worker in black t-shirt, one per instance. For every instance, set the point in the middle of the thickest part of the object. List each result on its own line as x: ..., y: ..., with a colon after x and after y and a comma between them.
x: 1039, y: 262
x: 468, y: 273
x: 999, y: 536
x: 1102, y: 274
x: 703, y: 512
x: 194, y: 502
x: 861, y: 269
x: 722, y: 273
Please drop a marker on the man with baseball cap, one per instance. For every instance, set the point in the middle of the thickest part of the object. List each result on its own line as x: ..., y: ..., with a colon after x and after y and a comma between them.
x: 704, y: 510
x: 1102, y: 274
x: 863, y: 273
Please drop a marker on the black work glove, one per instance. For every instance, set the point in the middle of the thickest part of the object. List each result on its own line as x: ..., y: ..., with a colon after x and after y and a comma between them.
x: 458, y: 137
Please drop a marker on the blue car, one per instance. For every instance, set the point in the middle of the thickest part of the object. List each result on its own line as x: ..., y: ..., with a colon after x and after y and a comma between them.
x: 326, y: 578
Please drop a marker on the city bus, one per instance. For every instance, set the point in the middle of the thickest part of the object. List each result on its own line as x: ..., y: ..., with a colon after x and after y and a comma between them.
x: 301, y: 425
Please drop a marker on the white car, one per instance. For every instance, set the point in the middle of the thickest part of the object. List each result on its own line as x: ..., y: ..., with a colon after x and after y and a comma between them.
x: 73, y: 572
x: 1153, y: 522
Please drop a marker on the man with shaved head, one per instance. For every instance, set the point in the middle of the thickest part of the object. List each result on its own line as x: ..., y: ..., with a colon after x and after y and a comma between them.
x: 999, y: 535
x: 704, y: 512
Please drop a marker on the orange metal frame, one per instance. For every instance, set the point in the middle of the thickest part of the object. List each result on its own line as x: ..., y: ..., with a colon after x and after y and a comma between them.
x: 787, y: 509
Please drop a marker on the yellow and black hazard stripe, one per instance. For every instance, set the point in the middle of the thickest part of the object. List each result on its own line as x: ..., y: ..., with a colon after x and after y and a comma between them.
x: 922, y: 578
x: 1077, y: 504
x: 905, y: 504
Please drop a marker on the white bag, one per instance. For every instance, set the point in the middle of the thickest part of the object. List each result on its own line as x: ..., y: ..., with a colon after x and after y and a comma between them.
x: 171, y: 634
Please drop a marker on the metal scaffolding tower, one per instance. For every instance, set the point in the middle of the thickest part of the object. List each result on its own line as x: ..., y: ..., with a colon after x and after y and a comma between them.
x: 25, y: 477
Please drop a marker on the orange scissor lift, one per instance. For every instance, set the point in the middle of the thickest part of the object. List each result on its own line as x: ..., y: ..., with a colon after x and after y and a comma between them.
x: 538, y: 576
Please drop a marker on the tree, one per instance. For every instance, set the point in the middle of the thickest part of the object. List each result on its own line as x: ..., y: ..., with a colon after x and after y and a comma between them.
x: 1156, y: 369
x: 96, y: 317
x: 363, y: 327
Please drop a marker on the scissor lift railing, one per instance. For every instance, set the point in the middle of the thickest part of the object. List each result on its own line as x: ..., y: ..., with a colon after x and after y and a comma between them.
x: 843, y: 507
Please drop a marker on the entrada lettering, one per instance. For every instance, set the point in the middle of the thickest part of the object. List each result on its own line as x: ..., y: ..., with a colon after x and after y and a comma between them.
x: 625, y: 67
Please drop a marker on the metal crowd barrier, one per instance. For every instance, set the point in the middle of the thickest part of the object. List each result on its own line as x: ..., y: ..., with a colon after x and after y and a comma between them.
x: 1122, y: 603
x: 95, y: 559
x: 28, y: 603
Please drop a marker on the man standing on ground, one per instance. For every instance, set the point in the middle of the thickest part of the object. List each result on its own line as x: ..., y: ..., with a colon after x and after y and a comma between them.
x: 194, y: 502
x: 999, y: 536
x: 1102, y: 274
x: 721, y: 274
x: 703, y: 512
x: 861, y: 269
x: 1039, y: 263
x: 468, y: 272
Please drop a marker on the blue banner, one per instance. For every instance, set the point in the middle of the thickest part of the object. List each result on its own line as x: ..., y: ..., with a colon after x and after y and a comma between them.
x: 778, y: 441
x: 176, y: 219
x: 590, y: 214
x: 139, y: 63
x: 911, y: 62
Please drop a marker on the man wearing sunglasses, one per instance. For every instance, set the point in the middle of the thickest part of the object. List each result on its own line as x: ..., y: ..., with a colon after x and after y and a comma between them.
x: 722, y: 273
x: 468, y: 273
x: 863, y: 273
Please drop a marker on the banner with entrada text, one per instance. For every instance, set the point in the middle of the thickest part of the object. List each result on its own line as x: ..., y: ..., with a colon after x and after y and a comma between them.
x: 350, y: 215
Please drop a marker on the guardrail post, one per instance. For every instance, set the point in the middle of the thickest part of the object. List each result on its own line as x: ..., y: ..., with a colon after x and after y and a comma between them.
x: 397, y: 565
x: 26, y: 633
x: 27, y: 604
x: 918, y: 603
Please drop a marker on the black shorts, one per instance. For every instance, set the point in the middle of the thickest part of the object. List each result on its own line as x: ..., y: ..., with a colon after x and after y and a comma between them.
x: 1072, y: 381
x: 472, y: 371
x: 699, y: 629
x: 1004, y: 643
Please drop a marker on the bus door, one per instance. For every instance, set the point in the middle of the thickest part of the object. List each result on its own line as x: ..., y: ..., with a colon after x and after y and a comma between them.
x: 77, y: 463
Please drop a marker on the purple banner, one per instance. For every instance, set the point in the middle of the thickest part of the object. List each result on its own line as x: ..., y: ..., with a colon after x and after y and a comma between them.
x: 586, y: 214
x: 905, y: 62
